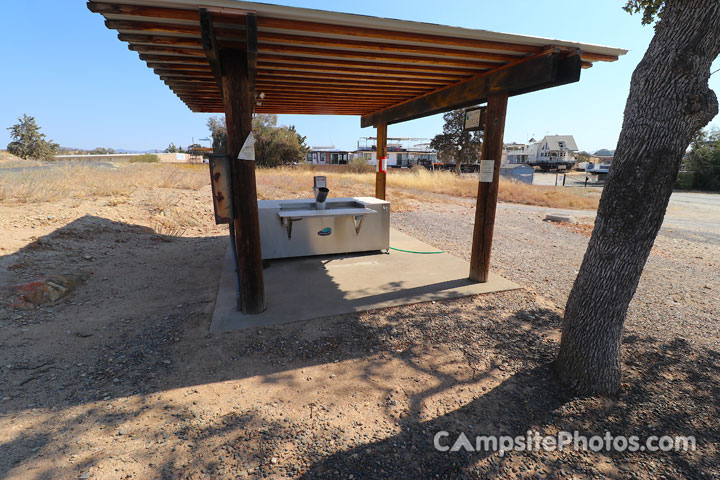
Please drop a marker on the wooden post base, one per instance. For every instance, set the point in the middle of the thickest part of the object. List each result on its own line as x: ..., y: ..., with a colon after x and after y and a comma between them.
x: 488, y: 191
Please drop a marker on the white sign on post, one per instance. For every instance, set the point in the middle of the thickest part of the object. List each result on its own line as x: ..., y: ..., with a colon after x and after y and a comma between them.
x: 487, y: 168
x: 248, y: 149
x: 474, y: 119
x: 320, y: 181
x: 381, y: 165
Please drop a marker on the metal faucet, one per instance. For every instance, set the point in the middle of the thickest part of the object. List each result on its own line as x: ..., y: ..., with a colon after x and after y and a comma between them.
x: 320, y: 197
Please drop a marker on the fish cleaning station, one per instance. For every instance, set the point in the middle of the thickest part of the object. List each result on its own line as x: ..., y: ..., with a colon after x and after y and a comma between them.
x: 324, y: 255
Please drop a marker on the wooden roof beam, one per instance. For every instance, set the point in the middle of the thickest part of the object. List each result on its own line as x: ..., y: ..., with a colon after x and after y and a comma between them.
x: 142, y: 11
x: 328, y: 55
x: 348, y: 73
x: 376, y: 67
x: 175, y: 51
x: 535, y: 73
x: 342, y: 81
x: 271, y: 38
x: 363, y: 32
x: 148, y: 57
x: 328, y: 91
x: 310, y: 27
x: 471, y: 59
x: 306, y: 40
x: 310, y: 71
x: 299, y: 77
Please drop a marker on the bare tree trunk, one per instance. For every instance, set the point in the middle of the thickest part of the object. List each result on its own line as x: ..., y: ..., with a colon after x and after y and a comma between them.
x: 669, y: 101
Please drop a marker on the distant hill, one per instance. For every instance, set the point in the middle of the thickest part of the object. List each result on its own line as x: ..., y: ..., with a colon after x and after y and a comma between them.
x: 604, y: 153
x: 122, y: 150
x: 79, y: 151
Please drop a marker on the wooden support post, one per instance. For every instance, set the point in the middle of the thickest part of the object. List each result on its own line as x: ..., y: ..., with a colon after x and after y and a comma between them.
x: 488, y: 191
x: 234, y: 70
x: 381, y: 151
x: 238, y: 119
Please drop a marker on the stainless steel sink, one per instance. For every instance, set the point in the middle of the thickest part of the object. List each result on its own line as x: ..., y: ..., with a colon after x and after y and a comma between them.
x: 295, y: 228
x: 332, y: 208
x: 330, y: 204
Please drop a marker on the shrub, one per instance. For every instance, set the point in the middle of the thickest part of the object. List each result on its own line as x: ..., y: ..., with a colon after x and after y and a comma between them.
x: 685, y: 181
x: 358, y: 165
x: 145, y: 158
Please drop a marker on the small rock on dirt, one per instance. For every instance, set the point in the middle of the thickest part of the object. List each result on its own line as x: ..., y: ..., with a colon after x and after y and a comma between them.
x: 551, y: 217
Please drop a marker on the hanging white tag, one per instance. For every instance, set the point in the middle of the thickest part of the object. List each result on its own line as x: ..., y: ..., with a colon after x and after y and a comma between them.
x: 248, y: 149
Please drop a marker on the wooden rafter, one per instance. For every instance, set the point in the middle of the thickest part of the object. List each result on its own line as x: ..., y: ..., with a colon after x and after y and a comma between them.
x: 525, y: 76
x: 303, y: 63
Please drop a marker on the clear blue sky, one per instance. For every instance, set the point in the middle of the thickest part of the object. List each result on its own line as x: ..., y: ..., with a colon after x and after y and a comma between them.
x: 86, y: 89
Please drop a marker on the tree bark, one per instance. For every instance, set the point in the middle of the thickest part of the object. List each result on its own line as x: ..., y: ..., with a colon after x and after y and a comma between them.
x: 669, y: 101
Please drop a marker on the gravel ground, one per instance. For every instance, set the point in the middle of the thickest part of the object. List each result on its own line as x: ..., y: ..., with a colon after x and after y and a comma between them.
x: 678, y: 295
x: 121, y: 378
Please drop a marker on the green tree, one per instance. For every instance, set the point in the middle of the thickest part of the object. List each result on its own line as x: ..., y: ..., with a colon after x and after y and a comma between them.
x: 274, y: 145
x: 102, y: 151
x: 583, y: 156
x: 703, y: 161
x: 455, y: 142
x: 27, y: 141
x: 668, y: 103
x: 218, y: 131
x: 301, y: 141
x: 172, y: 148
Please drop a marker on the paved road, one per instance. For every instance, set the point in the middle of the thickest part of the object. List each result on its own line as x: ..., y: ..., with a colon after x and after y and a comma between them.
x: 687, y: 215
x: 573, y: 179
x: 694, y: 214
x: 712, y: 199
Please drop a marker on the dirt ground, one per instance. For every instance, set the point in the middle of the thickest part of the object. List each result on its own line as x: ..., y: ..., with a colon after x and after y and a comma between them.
x: 121, y: 379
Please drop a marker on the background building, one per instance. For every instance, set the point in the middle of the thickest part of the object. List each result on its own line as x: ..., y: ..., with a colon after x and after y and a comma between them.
x: 553, y: 152
x: 402, y: 152
x: 327, y: 156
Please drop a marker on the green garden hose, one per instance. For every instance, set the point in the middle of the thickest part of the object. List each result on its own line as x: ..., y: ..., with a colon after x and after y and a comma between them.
x: 411, y: 251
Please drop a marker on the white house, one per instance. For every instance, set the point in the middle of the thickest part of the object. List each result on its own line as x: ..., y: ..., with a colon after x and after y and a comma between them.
x: 327, y: 156
x: 402, y: 152
x: 552, y: 151
x: 514, y: 153
x: 556, y: 149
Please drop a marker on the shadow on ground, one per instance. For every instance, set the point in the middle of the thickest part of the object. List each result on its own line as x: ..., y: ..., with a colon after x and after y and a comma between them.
x: 114, y: 353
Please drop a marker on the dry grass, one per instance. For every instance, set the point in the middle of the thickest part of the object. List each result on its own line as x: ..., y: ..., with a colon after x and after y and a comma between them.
x: 553, y: 197
x: 416, y: 184
x: 86, y: 180
x: 185, y: 180
x: 121, y: 180
x: 8, y: 160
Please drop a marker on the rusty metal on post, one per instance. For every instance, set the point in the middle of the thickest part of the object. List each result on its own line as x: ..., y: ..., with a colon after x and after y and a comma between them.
x: 221, y: 181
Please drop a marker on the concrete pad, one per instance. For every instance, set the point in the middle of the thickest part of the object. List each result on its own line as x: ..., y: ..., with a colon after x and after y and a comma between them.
x: 313, y: 287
